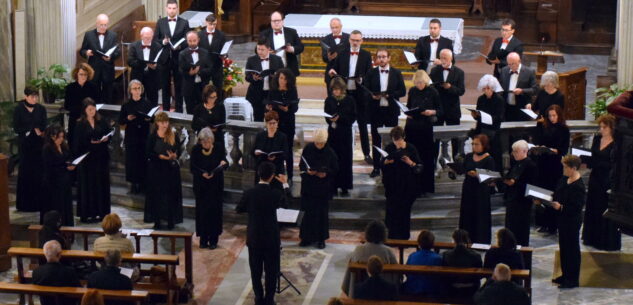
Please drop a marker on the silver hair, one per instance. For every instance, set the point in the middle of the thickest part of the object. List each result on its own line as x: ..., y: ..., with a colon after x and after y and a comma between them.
x: 205, y: 134
x: 489, y: 81
x: 520, y: 145
x: 146, y: 29
x: 112, y: 257
x: 549, y: 77
x: 336, y: 19
x: 52, y: 250
x: 132, y: 82
x: 447, y: 51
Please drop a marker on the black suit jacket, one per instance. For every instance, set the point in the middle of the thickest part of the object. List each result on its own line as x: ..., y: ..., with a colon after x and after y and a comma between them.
x: 423, y: 49
x: 180, y: 31
x: 363, y: 65
x: 338, y: 48
x: 214, y: 49
x: 501, y: 293
x: 515, y: 45
x: 291, y: 37
x: 110, y: 278
x: 261, y: 203
x: 255, y: 90
x: 526, y: 81
x: 185, y: 63
x: 138, y: 64
x: 56, y: 275
x: 395, y: 89
x: 91, y: 42
x: 449, y: 97
x: 376, y: 288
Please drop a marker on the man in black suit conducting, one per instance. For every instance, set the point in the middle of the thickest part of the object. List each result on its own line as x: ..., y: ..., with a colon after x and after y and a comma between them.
x: 519, y: 85
x: 195, y: 66
x: 386, y: 86
x: 337, y: 42
x: 212, y: 40
x: 284, y: 42
x: 353, y: 64
x: 504, y: 45
x: 95, y: 45
x: 449, y: 82
x: 169, y: 31
x: 428, y: 48
x: 259, y: 69
x: 262, y: 237
x: 53, y: 273
x: 141, y: 56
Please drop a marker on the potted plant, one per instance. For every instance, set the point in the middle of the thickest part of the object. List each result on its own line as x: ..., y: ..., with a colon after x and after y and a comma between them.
x: 232, y: 76
x: 51, y: 81
x: 604, y: 97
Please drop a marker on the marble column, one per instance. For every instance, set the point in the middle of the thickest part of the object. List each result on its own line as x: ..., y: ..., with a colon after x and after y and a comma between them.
x: 6, y: 52
x: 154, y: 9
x: 625, y: 42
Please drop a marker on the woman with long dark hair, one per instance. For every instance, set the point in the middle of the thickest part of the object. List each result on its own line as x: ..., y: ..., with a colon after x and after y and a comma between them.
x: 284, y: 99
x: 210, y: 113
x: 57, y: 179
x: 271, y: 145
x: 92, y: 135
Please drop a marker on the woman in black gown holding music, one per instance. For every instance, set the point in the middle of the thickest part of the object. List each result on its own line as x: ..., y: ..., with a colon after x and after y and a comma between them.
x: 474, y: 212
x: 552, y: 133
x: 343, y: 109
x: 57, y: 179
x: 283, y: 99
x: 135, y: 120
x: 76, y: 92
x: 271, y: 145
x: 210, y: 113
x: 419, y: 127
x: 92, y: 135
x: 598, y: 231
x: 493, y: 104
x: 163, y: 199
x: 208, y: 161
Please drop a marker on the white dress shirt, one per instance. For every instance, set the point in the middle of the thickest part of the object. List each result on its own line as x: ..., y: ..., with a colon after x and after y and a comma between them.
x: 279, y: 41
x: 172, y: 26
x: 353, y: 60
x: 503, y: 44
x: 384, y: 82
x: 101, y: 39
x: 210, y: 37
x: 445, y: 72
x: 265, y: 66
x: 514, y: 78
x: 194, y: 56
x: 145, y: 52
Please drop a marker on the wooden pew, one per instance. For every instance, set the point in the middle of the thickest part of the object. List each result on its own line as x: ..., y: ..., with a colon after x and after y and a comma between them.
x: 137, y: 296
x: 155, y: 235
x: 358, y: 271
x: 170, y: 262
x: 347, y: 301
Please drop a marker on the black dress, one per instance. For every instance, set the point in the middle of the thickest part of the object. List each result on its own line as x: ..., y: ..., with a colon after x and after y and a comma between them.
x: 93, y: 192
x: 550, y: 169
x: 544, y: 100
x: 598, y: 231
x: 30, y: 151
x: 136, y: 132
x: 474, y: 212
x: 163, y: 198
x: 519, y: 207
x: 73, y: 103
x: 276, y: 143
x: 208, y: 192
x: 286, y: 120
x: 203, y: 117
x: 401, y: 189
x: 510, y: 257
x: 419, y: 132
x: 57, y: 184
x: 495, y: 107
x: 572, y: 197
x: 316, y: 192
x: 462, y: 257
x: 340, y: 138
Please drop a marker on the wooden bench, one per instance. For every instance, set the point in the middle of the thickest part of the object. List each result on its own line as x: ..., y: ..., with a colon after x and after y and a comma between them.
x: 136, y: 296
x: 155, y: 235
x: 170, y: 288
x: 347, y: 301
x: 358, y: 271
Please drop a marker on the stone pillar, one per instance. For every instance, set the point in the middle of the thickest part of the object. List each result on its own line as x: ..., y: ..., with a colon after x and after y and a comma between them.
x: 625, y: 42
x: 154, y: 9
x: 6, y: 53
x: 5, y: 224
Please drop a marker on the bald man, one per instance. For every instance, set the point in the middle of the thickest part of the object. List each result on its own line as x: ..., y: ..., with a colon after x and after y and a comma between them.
x: 283, y: 41
x: 195, y: 66
x: 337, y: 41
x: 500, y: 290
x: 519, y: 86
x: 141, y: 58
x: 53, y: 273
x: 95, y: 45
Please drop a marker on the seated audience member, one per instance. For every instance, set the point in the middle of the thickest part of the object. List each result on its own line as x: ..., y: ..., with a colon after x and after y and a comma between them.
x: 110, y: 277
x: 506, y: 251
x: 501, y: 291
x: 335, y: 301
x: 113, y: 239
x: 420, y: 284
x: 50, y: 229
x: 375, y: 287
x: 375, y: 237
x: 463, y: 257
x: 53, y: 273
x: 92, y: 297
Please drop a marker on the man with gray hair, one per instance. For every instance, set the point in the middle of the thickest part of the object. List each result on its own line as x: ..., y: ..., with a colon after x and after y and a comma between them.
x: 519, y: 85
x: 53, y: 273
x: 518, y: 206
x: 500, y: 290
x: 142, y: 58
x: 110, y: 277
x: 332, y: 45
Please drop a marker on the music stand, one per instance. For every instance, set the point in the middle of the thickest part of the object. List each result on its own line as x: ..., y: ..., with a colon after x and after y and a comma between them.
x: 281, y: 275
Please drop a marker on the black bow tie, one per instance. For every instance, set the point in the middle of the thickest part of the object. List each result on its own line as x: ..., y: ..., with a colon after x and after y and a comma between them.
x: 146, y: 47
x: 172, y: 19
x: 514, y: 72
x: 435, y: 40
x: 101, y: 34
x: 384, y: 71
x: 447, y: 69
x: 264, y: 59
x: 337, y: 36
x: 193, y: 50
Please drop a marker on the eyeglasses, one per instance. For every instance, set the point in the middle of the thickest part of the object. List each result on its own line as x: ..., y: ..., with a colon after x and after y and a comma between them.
x: 212, y: 97
x: 272, y: 123
x: 276, y: 21
x: 135, y: 88
x: 382, y: 56
x: 506, y: 30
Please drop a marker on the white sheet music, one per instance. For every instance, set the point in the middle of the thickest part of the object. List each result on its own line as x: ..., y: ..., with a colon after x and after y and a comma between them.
x: 580, y: 152
x: 153, y: 111
x: 226, y: 47
x: 127, y: 271
x: 157, y: 56
x: 478, y: 246
x: 105, y: 137
x: 538, y: 192
x: 78, y: 160
x: 410, y: 57
x: 402, y: 107
x: 98, y: 106
x: 381, y: 151
x: 485, y: 118
x: 530, y: 113
x: 306, y: 162
x: 173, y: 46
x: 287, y: 215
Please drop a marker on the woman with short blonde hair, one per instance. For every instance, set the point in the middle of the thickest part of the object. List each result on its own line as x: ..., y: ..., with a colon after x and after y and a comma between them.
x: 113, y: 239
